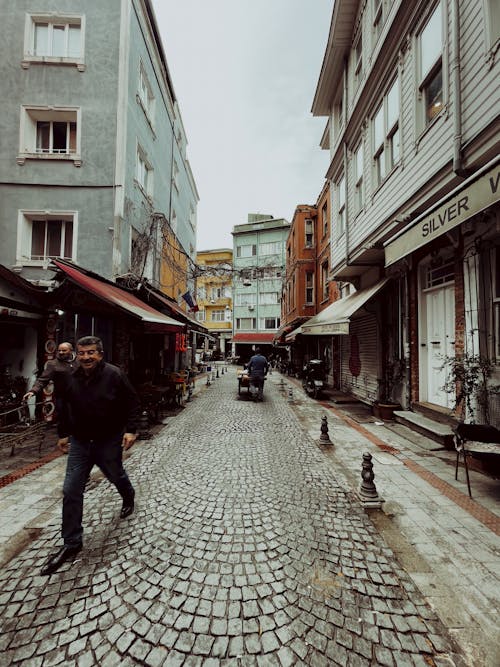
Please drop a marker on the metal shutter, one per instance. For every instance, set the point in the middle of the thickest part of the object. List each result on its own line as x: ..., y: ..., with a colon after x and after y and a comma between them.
x: 364, y: 385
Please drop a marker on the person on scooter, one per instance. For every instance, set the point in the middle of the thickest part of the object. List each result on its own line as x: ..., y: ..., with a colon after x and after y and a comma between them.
x: 257, y: 369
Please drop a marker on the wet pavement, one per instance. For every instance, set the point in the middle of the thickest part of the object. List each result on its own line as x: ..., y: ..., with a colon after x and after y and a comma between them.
x: 249, y: 546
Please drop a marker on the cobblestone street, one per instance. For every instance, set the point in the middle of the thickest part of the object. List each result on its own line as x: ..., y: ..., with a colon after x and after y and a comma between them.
x: 245, y: 548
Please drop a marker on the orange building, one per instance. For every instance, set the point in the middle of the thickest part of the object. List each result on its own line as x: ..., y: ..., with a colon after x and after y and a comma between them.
x: 214, y: 296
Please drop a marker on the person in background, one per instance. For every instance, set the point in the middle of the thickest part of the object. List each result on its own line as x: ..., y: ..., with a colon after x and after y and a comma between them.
x: 257, y: 369
x: 99, y: 418
x: 55, y: 370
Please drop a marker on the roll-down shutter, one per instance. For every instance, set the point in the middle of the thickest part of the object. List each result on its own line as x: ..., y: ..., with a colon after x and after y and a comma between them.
x: 360, y: 359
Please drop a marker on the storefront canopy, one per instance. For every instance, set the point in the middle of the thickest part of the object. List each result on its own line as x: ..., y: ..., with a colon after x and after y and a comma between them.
x: 119, y: 298
x: 334, y: 320
x: 472, y: 196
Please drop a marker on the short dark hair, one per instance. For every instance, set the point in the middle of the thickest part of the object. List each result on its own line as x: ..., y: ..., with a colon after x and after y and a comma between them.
x: 257, y: 350
x: 85, y: 341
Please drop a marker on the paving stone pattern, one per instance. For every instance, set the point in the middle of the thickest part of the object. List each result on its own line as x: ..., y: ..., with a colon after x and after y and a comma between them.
x: 245, y: 549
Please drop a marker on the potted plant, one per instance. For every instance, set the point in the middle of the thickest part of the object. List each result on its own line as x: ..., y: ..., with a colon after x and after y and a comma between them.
x: 393, y: 376
x: 468, y: 376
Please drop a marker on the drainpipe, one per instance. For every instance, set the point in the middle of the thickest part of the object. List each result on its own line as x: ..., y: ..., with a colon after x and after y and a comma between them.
x: 457, y: 93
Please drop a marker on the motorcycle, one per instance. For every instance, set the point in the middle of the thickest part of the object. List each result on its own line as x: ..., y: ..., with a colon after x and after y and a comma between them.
x: 313, y: 377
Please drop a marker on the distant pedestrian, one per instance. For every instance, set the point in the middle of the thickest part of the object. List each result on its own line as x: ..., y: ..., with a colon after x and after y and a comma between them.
x: 257, y: 369
x: 99, y: 418
x: 55, y: 371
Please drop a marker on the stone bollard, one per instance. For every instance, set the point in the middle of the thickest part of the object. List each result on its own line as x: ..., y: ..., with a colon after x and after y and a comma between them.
x: 367, y: 491
x: 190, y: 393
x: 324, y: 438
x: 208, y: 378
x: 282, y: 386
x: 144, y: 432
x: 290, y: 395
x: 213, y: 376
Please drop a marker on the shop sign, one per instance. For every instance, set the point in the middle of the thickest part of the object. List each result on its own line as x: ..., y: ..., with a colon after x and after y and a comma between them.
x: 334, y: 328
x: 462, y: 205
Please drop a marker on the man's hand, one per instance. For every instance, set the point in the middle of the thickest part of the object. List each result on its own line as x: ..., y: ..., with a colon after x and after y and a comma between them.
x: 29, y: 394
x: 128, y: 440
x: 63, y: 444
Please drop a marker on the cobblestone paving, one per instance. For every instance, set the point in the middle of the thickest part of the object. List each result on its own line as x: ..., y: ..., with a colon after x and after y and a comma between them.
x: 245, y: 549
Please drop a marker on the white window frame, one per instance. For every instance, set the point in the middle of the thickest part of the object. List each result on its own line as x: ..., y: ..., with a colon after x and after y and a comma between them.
x: 30, y: 116
x: 218, y: 315
x: 357, y: 51
x: 24, y: 234
x: 377, y: 18
x: 145, y: 96
x: 270, y: 248
x: 200, y: 315
x: 246, y: 299
x: 242, y: 250
x: 175, y: 175
x: 324, y: 218
x: 309, y: 287
x: 309, y: 233
x: 341, y: 206
x: 427, y: 72
x: 491, y: 15
x: 144, y: 172
x: 59, y: 19
x: 324, y: 281
x: 386, y: 134
x: 358, y: 168
x: 263, y: 323
x: 241, y: 323
x: 269, y: 298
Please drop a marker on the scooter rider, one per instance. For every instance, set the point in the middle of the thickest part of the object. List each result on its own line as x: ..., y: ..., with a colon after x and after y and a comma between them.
x: 257, y: 369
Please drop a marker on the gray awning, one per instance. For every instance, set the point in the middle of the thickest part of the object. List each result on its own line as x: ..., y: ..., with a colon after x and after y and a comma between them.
x: 334, y: 320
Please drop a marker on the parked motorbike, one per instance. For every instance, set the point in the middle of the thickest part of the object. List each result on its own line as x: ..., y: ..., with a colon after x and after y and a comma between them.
x: 314, y: 377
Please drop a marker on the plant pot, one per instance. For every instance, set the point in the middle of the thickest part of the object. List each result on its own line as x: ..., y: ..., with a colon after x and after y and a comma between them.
x: 385, y: 411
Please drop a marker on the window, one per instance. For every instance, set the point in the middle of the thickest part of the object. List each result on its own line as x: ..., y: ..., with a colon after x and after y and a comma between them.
x: 218, y: 315
x: 439, y: 275
x: 358, y: 177
x: 377, y: 7
x: 246, y: 251
x: 324, y: 218
x: 270, y: 323
x: 309, y: 233
x: 144, y: 173
x: 358, y: 59
x: 496, y: 301
x: 50, y: 132
x: 51, y: 38
x: 324, y: 280
x: 386, y: 135
x: 341, y: 213
x: 244, y: 299
x: 430, y: 51
x: 200, y: 316
x: 269, y: 298
x: 273, y: 248
x: 309, y: 287
x: 175, y: 175
x: 192, y: 217
x: 43, y: 236
x: 492, y: 25
x: 145, y: 94
x: 246, y: 323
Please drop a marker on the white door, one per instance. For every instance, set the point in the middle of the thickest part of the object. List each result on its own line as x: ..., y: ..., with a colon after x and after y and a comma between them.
x: 438, y: 343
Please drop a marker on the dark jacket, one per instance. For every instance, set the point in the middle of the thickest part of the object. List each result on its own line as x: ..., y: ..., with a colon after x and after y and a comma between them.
x: 257, y: 366
x: 55, y: 370
x: 99, y: 405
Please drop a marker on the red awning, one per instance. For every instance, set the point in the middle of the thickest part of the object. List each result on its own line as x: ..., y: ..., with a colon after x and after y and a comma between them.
x: 119, y: 298
x: 253, y: 338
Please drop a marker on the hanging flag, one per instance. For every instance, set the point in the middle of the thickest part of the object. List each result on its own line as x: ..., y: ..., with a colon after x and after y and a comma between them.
x: 193, y: 306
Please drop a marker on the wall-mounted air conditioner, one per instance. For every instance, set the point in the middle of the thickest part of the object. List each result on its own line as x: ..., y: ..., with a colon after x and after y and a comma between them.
x: 251, y: 307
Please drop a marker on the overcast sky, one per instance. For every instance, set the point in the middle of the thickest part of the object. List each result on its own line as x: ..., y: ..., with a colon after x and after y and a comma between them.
x: 245, y: 73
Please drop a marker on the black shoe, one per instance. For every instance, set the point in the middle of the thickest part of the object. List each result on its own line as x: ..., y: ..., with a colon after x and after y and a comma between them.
x: 55, y: 561
x: 127, y: 508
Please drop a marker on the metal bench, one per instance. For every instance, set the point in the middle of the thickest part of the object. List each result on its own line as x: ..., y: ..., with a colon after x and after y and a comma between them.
x: 480, y: 441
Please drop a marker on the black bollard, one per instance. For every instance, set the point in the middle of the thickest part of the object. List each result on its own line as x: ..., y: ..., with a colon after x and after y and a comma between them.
x: 144, y: 432
x: 367, y: 491
x: 324, y: 438
x: 290, y: 395
x: 217, y: 373
x: 190, y: 393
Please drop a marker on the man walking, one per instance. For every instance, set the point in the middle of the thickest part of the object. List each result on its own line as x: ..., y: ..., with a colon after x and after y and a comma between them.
x: 257, y: 368
x: 55, y: 370
x: 100, y: 412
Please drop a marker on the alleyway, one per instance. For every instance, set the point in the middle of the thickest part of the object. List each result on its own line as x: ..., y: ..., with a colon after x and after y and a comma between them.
x: 246, y: 548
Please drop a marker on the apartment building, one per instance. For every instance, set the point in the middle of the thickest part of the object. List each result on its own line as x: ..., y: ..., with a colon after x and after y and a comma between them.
x: 214, y: 296
x: 258, y: 266
x: 93, y: 169
x: 410, y: 92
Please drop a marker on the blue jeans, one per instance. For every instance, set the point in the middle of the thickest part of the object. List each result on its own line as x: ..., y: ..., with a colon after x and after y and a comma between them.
x: 83, y: 455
